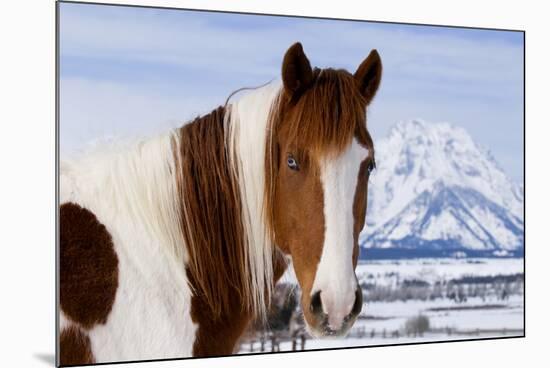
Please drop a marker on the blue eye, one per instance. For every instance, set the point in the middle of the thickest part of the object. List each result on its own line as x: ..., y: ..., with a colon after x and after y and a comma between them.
x: 292, y: 163
x: 371, y: 167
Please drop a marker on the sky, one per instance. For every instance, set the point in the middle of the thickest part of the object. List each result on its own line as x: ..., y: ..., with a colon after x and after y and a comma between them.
x: 131, y: 72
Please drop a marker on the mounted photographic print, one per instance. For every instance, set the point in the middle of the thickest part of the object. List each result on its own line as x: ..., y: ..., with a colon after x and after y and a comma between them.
x: 234, y: 184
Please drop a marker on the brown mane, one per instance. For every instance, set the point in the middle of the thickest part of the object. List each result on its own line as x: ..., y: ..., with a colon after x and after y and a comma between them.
x: 211, y: 207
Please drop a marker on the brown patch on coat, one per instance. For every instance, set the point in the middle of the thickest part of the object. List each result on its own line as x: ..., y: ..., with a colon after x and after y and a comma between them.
x: 88, y: 267
x: 75, y: 347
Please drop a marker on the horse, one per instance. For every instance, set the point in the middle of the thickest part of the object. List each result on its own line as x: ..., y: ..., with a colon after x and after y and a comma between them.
x: 170, y: 246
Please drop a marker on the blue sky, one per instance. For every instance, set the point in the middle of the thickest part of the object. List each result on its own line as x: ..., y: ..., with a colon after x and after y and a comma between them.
x: 135, y: 71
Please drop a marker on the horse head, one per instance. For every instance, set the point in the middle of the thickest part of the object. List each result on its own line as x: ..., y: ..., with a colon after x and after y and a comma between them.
x: 319, y: 160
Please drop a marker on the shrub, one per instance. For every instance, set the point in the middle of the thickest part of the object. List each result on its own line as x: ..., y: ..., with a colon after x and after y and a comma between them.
x: 417, y: 325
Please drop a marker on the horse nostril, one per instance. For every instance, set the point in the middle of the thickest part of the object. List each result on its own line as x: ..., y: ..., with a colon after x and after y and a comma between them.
x: 316, y: 306
x: 358, y: 304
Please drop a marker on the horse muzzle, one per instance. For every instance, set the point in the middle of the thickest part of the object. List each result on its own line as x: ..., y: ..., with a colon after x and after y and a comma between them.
x: 325, y: 319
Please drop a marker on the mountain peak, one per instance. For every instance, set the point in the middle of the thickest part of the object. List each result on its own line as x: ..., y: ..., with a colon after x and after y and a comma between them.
x: 430, y: 133
x: 406, y: 125
x: 418, y: 157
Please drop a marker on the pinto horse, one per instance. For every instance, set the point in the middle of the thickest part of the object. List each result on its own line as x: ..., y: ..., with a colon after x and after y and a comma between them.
x: 170, y: 246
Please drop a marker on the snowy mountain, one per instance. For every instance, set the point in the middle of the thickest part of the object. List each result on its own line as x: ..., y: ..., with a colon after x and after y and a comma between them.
x: 435, y: 188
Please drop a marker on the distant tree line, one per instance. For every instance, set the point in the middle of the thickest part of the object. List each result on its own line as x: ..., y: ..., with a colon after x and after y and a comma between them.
x: 500, y: 287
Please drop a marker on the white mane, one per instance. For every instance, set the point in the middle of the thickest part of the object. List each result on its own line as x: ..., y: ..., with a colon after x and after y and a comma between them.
x: 246, y: 125
x: 135, y: 180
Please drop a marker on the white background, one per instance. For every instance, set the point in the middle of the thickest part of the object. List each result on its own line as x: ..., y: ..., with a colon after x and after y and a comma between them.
x: 27, y: 142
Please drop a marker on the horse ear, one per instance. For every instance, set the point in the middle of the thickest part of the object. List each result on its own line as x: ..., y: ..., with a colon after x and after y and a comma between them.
x: 297, y: 74
x: 368, y: 75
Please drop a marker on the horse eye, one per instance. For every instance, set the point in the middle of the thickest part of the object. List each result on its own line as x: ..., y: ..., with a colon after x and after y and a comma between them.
x: 371, y: 167
x: 292, y: 163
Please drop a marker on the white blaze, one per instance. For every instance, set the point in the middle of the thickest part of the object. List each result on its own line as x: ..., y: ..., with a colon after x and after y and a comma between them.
x: 335, y: 277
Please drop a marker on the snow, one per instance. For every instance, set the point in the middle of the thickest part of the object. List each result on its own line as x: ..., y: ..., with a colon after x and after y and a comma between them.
x: 398, y: 312
x: 432, y: 270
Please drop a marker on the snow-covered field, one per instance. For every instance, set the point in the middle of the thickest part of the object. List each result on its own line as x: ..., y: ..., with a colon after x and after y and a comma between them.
x: 436, y: 269
x: 383, y: 322
x: 488, y: 315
